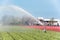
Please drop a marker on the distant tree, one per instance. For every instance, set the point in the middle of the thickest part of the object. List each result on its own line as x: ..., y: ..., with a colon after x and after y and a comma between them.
x: 4, y: 19
x: 10, y: 20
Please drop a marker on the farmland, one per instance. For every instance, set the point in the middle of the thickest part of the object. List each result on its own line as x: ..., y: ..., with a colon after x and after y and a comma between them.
x: 23, y: 33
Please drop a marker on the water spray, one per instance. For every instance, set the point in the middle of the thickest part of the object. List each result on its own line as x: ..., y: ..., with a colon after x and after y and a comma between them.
x: 18, y: 12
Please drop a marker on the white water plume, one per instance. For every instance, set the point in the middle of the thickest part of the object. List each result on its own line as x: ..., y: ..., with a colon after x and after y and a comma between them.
x: 16, y: 15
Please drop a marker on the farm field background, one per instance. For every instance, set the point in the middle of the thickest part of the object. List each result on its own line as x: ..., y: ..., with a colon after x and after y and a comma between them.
x: 25, y: 33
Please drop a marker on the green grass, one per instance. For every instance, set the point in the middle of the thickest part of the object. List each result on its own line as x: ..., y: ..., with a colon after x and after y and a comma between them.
x: 28, y: 34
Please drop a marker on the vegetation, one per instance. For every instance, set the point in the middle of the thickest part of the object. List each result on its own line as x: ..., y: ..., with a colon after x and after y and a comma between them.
x: 29, y: 34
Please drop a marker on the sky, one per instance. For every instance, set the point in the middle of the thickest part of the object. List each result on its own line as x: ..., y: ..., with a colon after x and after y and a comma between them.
x: 38, y: 8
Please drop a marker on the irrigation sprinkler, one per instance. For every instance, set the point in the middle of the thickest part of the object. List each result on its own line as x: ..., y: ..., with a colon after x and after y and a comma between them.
x: 44, y: 29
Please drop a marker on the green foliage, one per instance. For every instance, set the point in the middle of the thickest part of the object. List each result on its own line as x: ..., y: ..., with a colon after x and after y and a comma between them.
x: 30, y: 34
